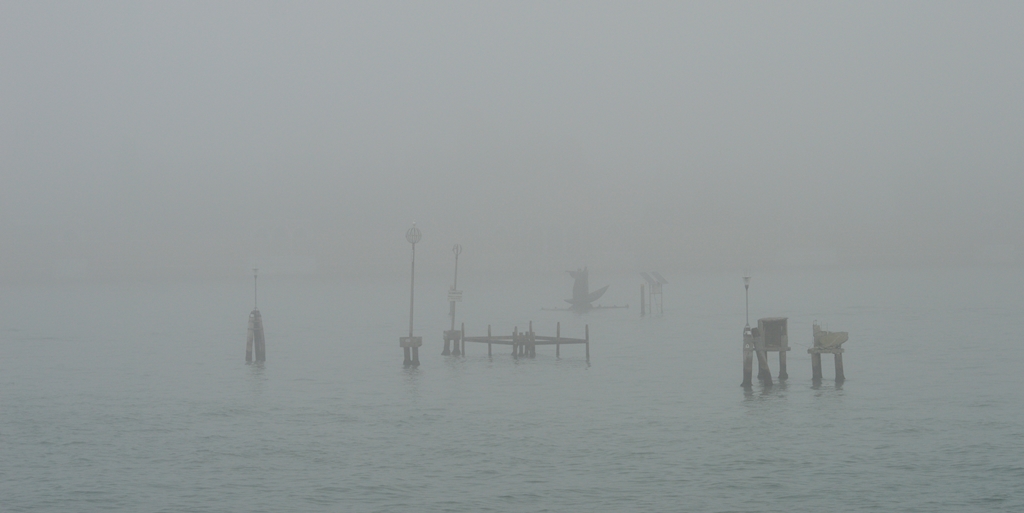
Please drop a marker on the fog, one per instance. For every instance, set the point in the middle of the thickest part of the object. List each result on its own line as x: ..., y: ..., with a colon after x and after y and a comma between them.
x: 198, y: 139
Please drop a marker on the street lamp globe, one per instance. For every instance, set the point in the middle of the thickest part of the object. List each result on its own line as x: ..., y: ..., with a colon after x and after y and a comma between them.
x: 413, y: 235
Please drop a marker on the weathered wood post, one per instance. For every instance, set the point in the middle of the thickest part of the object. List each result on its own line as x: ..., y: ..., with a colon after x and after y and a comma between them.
x: 642, y: 301
x: 558, y: 335
x: 258, y: 340
x: 587, y: 328
x: 254, y: 339
x: 248, y: 341
x: 816, y: 367
x: 763, y: 373
x: 840, y: 376
x: 748, y: 358
x: 531, y: 347
x: 783, y: 375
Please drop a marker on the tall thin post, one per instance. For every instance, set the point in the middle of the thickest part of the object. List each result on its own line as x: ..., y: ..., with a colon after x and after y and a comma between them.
x: 411, y: 344
x: 588, y: 342
x: 746, y: 297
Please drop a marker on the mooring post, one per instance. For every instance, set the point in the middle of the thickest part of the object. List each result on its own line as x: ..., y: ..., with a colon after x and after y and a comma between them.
x: 748, y: 358
x: 816, y: 367
x: 587, y: 331
x: 840, y: 376
x: 259, y: 341
x: 783, y: 375
x: 558, y: 335
x: 532, y: 347
x: 248, y: 341
x: 764, y: 374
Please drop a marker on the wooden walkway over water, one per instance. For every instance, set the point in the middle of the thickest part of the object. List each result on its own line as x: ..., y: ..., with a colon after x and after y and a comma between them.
x: 524, y: 343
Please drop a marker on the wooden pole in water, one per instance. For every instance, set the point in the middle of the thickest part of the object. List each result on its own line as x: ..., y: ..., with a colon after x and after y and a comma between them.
x: 783, y: 375
x: 248, y: 342
x: 558, y: 335
x: 588, y: 342
x: 748, y: 359
x: 840, y: 376
x: 515, y: 340
x: 259, y: 341
x: 816, y: 367
x: 764, y: 374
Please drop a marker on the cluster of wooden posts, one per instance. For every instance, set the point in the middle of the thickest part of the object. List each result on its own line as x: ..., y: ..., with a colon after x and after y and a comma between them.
x: 255, y: 339
x: 524, y: 343
x: 771, y: 334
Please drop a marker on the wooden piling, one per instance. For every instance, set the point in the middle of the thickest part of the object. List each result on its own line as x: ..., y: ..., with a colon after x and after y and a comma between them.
x: 558, y: 335
x: 248, y: 342
x: 748, y: 359
x: 408, y: 357
x: 588, y: 341
x: 763, y: 373
x: 840, y: 376
x: 259, y: 341
x: 783, y: 375
x: 816, y: 367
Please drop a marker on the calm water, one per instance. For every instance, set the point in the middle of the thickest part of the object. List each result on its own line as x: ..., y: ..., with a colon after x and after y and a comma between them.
x: 136, y: 398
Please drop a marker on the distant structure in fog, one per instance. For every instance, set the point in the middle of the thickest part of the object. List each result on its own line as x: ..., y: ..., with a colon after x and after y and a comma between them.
x: 255, y: 339
x: 771, y: 334
x: 827, y: 342
x: 582, y: 297
x: 654, y: 299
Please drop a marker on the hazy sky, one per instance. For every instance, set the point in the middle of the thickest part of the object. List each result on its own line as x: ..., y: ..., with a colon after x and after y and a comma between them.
x: 182, y: 138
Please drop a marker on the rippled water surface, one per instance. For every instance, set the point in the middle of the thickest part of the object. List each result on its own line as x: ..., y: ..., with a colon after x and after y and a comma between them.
x: 136, y: 397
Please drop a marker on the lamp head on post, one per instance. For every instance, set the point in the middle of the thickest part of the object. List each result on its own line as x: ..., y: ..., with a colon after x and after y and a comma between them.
x: 413, y: 235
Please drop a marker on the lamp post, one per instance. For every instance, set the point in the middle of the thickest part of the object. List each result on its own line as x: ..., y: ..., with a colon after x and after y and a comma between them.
x: 746, y: 298
x: 411, y: 344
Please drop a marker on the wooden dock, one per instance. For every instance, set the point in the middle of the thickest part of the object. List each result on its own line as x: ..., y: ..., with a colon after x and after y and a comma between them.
x: 524, y: 343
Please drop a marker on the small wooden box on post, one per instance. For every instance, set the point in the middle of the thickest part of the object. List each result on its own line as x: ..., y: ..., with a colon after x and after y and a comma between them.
x: 771, y: 334
x: 827, y: 342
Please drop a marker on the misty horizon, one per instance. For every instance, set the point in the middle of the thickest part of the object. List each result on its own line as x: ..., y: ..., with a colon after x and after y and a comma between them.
x: 198, y: 140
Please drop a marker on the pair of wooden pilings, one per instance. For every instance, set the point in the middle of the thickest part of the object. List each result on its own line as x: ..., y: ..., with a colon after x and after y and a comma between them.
x: 255, y: 339
x: 816, y: 363
x: 456, y: 337
x: 764, y: 374
x: 525, y: 343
